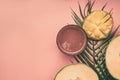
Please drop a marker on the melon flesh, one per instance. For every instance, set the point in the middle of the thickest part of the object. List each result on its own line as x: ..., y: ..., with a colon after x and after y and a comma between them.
x: 76, y: 72
x: 113, y: 57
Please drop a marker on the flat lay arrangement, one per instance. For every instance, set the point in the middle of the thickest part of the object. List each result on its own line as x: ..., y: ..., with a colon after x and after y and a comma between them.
x: 92, y: 43
x: 59, y: 40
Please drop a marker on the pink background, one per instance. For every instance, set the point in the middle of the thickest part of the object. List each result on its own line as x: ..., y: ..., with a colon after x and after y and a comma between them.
x: 28, y: 30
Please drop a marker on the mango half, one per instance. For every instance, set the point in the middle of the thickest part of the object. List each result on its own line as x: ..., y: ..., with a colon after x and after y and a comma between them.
x: 98, y: 25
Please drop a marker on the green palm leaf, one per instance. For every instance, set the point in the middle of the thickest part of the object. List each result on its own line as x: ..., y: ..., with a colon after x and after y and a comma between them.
x: 94, y: 53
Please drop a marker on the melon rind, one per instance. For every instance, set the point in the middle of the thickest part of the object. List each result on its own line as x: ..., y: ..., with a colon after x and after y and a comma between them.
x: 113, y: 57
x: 73, y: 71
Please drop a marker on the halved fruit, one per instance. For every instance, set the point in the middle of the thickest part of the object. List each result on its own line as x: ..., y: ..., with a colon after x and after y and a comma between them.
x: 76, y: 72
x: 113, y: 57
x: 98, y: 25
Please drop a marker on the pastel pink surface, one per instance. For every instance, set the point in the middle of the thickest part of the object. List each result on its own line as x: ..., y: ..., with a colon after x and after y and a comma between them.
x: 28, y: 30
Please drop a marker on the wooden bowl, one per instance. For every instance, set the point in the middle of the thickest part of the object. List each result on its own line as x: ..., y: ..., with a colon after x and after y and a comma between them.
x: 71, y: 39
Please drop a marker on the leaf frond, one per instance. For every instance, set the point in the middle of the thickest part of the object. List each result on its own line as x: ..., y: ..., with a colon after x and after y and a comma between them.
x: 80, y: 10
x: 104, y: 6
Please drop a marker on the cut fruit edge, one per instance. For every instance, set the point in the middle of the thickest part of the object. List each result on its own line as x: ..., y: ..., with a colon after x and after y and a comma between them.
x: 71, y: 67
x: 116, y: 76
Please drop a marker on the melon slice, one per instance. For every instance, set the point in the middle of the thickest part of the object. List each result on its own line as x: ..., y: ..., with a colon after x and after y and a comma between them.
x: 113, y: 57
x: 76, y: 72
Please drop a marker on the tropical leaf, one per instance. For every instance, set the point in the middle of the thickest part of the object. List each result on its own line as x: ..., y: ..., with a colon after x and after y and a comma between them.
x: 94, y: 53
x: 80, y: 10
x: 76, y: 18
x: 104, y: 6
